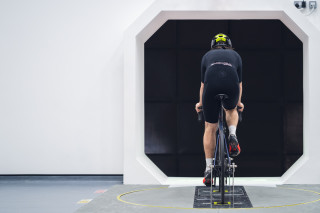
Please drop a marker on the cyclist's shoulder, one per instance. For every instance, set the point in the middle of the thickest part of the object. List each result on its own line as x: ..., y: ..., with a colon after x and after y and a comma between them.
x: 235, y: 53
x: 206, y: 55
x: 219, y: 52
x: 210, y: 53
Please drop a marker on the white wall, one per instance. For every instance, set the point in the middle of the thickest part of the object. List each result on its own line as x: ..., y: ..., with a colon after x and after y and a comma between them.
x: 313, y: 17
x: 138, y: 168
x: 61, y: 85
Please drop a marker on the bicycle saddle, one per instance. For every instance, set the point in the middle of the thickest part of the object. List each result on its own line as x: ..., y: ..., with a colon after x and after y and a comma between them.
x: 221, y: 96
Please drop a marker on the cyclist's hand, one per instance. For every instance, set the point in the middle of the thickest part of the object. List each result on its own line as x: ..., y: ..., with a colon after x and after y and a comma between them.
x: 197, y: 107
x: 240, y: 107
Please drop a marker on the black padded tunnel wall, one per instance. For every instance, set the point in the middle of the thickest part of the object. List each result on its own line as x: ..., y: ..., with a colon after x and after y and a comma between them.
x: 271, y: 133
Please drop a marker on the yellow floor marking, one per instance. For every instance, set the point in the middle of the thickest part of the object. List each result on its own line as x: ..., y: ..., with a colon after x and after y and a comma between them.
x: 219, y: 204
x: 84, y: 201
x: 169, y: 207
x: 218, y: 190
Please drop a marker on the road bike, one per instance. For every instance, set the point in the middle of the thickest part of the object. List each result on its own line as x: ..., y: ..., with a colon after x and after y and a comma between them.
x: 222, y: 166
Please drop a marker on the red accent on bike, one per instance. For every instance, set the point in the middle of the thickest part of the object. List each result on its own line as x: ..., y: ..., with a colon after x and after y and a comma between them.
x: 207, y: 181
x: 237, y: 149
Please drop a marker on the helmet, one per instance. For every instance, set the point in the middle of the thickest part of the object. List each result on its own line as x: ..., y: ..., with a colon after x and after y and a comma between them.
x: 221, y: 40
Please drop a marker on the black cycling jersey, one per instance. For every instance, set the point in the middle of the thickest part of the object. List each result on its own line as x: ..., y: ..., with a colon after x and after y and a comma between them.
x: 225, y: 57
x: 221, y: 73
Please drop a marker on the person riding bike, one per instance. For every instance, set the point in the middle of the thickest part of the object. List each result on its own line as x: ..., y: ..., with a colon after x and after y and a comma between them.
x: 221, y: 73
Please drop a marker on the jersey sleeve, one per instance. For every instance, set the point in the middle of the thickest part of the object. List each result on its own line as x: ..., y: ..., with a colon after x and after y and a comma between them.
x: 203, y: 69
x: 239, y: 69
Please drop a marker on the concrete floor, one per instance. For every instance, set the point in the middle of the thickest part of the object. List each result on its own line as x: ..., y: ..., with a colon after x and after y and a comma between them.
x: 280, y: 199
x: 50, y: 194
x: 62, y: 194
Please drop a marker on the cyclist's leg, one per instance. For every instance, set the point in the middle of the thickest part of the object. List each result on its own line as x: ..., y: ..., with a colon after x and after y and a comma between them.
x: 232, y: 117
x: 232, y: 121
x: 209, y: 143
x: 211, y: 113
x: 209, y: 139
x: 230, y: 105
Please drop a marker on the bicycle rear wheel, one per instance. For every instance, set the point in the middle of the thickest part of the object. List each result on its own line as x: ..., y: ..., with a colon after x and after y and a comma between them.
x: 222, y: 168
x: 221, y: 156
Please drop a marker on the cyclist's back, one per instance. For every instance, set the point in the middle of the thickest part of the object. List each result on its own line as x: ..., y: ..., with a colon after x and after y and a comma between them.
x: 226, y: 57
x: 221, y: 72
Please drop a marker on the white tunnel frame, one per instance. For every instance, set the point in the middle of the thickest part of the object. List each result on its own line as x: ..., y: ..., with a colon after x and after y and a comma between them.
x: 138, y: 168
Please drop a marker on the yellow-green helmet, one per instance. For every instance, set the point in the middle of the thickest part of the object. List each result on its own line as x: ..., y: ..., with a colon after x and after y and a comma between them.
x: 221, y: 40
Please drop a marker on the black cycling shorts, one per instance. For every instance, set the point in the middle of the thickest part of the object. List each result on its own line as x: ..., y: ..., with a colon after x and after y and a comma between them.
x: 219, y: 79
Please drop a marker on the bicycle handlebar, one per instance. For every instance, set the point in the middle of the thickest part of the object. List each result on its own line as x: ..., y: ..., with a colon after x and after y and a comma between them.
x: 239, y: 113
x: 200, y: 114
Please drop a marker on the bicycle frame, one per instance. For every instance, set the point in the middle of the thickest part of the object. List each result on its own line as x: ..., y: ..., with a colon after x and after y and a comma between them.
x: 221, y: 164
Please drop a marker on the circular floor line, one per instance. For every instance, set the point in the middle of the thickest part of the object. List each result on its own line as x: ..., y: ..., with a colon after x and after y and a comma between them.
x: 171, y: 207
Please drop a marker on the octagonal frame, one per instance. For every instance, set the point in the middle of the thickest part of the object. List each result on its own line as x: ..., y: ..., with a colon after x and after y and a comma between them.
x: 138, y: 168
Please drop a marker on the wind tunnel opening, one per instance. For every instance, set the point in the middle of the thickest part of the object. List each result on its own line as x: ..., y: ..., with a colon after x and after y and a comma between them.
x: 271, y: 134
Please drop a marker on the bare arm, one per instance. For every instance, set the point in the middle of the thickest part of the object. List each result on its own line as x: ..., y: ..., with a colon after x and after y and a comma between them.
x: 240, y: 104
x: 201, y: 92
x: 200, y: 98
x: 240, y: 86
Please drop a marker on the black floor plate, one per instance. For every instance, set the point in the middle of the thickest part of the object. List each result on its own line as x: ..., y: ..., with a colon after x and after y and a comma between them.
x: 238, y: 199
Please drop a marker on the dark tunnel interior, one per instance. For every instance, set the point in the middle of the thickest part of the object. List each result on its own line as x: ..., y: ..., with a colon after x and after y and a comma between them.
x: 271, y: 133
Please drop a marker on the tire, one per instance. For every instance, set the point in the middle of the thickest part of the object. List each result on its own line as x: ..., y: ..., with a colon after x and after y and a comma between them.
x: 222, y: 162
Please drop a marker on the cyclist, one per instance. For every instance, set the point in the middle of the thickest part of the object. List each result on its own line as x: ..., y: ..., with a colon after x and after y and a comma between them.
x: 221, y: 73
